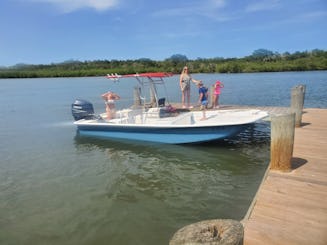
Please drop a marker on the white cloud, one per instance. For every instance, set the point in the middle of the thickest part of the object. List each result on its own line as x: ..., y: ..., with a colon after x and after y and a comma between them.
x: 305, y: 17
x: 314, y: 15
x: 263, y: 5
x: 73, y: 5
x: 209, y: 8
x: 218, y: 3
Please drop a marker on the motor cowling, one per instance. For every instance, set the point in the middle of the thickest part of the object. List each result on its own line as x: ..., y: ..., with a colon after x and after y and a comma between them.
x: 82, y: 109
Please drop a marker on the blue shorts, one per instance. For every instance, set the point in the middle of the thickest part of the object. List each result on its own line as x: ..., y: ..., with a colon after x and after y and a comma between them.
x: 204, y: 102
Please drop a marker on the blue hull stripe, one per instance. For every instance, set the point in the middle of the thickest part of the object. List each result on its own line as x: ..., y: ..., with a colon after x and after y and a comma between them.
x: 163, y: 135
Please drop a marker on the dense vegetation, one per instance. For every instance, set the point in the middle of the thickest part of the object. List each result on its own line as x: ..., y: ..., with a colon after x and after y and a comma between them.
x: 261, y: 60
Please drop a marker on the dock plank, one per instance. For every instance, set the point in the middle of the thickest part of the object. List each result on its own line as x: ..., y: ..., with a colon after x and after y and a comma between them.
x: 291, y: 208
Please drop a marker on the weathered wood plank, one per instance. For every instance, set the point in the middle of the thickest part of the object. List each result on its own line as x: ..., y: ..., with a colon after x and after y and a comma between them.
x: 291, y: 208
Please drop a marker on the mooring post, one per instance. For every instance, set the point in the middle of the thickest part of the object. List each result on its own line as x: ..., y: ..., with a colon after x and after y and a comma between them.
x: 214, y: 232
x: 282, y: 141
x: 297, y: 103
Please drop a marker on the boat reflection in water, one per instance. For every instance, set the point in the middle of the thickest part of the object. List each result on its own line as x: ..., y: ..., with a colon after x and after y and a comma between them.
x: 254, y: 135
x: 147, y: 188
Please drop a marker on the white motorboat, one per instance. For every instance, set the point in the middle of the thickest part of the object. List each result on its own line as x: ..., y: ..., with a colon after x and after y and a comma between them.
x: 161, y: 123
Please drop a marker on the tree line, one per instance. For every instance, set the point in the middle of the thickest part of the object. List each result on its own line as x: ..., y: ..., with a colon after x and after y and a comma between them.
x: 260, y: 60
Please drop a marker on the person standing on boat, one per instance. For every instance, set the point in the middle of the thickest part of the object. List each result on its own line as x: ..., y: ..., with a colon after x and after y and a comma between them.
x: 110, y: 98
x: 203, y: 98
x: 185, y: 85
x: 217, y: 90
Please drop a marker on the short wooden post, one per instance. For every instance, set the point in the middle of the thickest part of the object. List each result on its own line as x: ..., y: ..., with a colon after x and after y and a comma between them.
x: 214, y: 232
x: 297, y: 103
x: 137, y: 97
x: 282, y: 141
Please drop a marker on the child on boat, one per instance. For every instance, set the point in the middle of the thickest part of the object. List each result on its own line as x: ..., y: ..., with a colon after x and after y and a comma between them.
x: 203, y: 98
x: 217, y: 87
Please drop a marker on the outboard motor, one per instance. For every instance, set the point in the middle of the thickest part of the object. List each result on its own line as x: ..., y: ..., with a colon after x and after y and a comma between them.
x: 82, y: 109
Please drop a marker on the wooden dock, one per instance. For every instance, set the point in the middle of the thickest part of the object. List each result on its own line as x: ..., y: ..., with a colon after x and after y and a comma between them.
x: 291, y: 208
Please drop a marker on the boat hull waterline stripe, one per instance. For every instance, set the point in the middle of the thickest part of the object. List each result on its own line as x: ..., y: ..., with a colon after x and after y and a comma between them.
x: 170, y: 136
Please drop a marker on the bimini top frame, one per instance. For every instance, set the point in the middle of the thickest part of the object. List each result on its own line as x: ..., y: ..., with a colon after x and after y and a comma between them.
x: 150, y: 79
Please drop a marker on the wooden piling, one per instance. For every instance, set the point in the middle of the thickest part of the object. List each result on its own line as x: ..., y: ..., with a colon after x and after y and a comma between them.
x: 282, y: 141
x: 214, y: 232
x: 297, y: 103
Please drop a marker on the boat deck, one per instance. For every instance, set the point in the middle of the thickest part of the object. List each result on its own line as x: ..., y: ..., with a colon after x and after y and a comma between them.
x: 291, y: 208
x: 225, y: 117
x: 272, y: 110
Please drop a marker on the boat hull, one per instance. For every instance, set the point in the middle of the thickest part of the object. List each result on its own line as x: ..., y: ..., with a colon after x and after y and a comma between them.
x: 168, y: 135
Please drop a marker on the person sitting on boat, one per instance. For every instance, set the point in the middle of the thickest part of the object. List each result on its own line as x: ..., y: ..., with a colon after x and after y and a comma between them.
x: 203, y: 98
x: 110, y: 98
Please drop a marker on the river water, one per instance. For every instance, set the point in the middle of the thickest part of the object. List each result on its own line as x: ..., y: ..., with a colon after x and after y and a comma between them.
x: 59, y: 188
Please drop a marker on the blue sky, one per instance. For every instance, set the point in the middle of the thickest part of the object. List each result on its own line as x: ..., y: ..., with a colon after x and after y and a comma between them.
x: 53, y: 31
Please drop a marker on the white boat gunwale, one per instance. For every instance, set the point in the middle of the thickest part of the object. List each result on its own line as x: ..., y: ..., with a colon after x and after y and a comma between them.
x: 210, y: 122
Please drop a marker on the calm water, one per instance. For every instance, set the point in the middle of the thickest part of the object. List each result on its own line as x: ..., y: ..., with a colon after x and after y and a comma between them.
x: 58, y: 188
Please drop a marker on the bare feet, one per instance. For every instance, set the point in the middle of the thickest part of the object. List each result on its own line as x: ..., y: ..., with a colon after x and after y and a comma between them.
x: 203, y: 118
